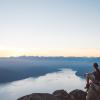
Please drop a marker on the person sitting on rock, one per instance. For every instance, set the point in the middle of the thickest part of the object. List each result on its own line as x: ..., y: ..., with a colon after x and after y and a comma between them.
x: 93, y: 84
x: 94, y: 77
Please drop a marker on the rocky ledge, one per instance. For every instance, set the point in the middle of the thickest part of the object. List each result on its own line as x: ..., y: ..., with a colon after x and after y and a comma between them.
x: 57, y: 95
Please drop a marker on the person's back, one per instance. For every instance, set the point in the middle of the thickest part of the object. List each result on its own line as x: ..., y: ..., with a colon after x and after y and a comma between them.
x: 97, y: 76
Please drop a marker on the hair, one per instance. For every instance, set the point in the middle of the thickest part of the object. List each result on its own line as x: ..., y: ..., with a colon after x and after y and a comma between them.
x: 96, y: 67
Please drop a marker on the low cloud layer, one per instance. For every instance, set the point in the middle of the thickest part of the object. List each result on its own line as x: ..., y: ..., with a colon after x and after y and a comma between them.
x: 64, y: 79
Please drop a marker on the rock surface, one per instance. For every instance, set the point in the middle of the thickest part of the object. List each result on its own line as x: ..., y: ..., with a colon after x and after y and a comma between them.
x: 39, y: 96
x: 61, y: 94
x: 78, y: 95
x: 57, y: 95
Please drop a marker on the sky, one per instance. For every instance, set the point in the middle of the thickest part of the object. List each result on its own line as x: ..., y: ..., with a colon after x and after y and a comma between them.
x: 49, y: 27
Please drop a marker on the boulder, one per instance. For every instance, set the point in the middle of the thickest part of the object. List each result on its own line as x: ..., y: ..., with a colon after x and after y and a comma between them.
x: 78, y: 95
x: 61, y: 94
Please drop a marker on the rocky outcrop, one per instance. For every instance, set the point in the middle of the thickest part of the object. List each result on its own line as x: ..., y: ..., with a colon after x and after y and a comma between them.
x: 78, y: 95
x: 93, y: 92
x: 61, y: 94
x: 39, y: 96
x: 57, y: 95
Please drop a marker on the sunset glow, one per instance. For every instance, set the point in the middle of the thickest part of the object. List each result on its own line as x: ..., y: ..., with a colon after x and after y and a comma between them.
x: 51, y: 52
x: 49, y: 28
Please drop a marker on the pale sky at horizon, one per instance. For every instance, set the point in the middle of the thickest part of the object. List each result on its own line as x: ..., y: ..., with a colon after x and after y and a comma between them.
x: 50, y: 27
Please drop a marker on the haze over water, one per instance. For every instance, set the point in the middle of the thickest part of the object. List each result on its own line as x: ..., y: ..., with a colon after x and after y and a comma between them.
x: 64, y: 79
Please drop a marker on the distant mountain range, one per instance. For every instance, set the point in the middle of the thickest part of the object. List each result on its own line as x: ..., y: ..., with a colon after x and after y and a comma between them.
x: 17, y: 68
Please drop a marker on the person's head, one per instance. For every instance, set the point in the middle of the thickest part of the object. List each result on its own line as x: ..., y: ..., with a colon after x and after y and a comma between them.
x: 95, y: 65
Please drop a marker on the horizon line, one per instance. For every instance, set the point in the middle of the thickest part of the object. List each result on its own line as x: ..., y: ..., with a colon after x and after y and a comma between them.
x: 52, y: 56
